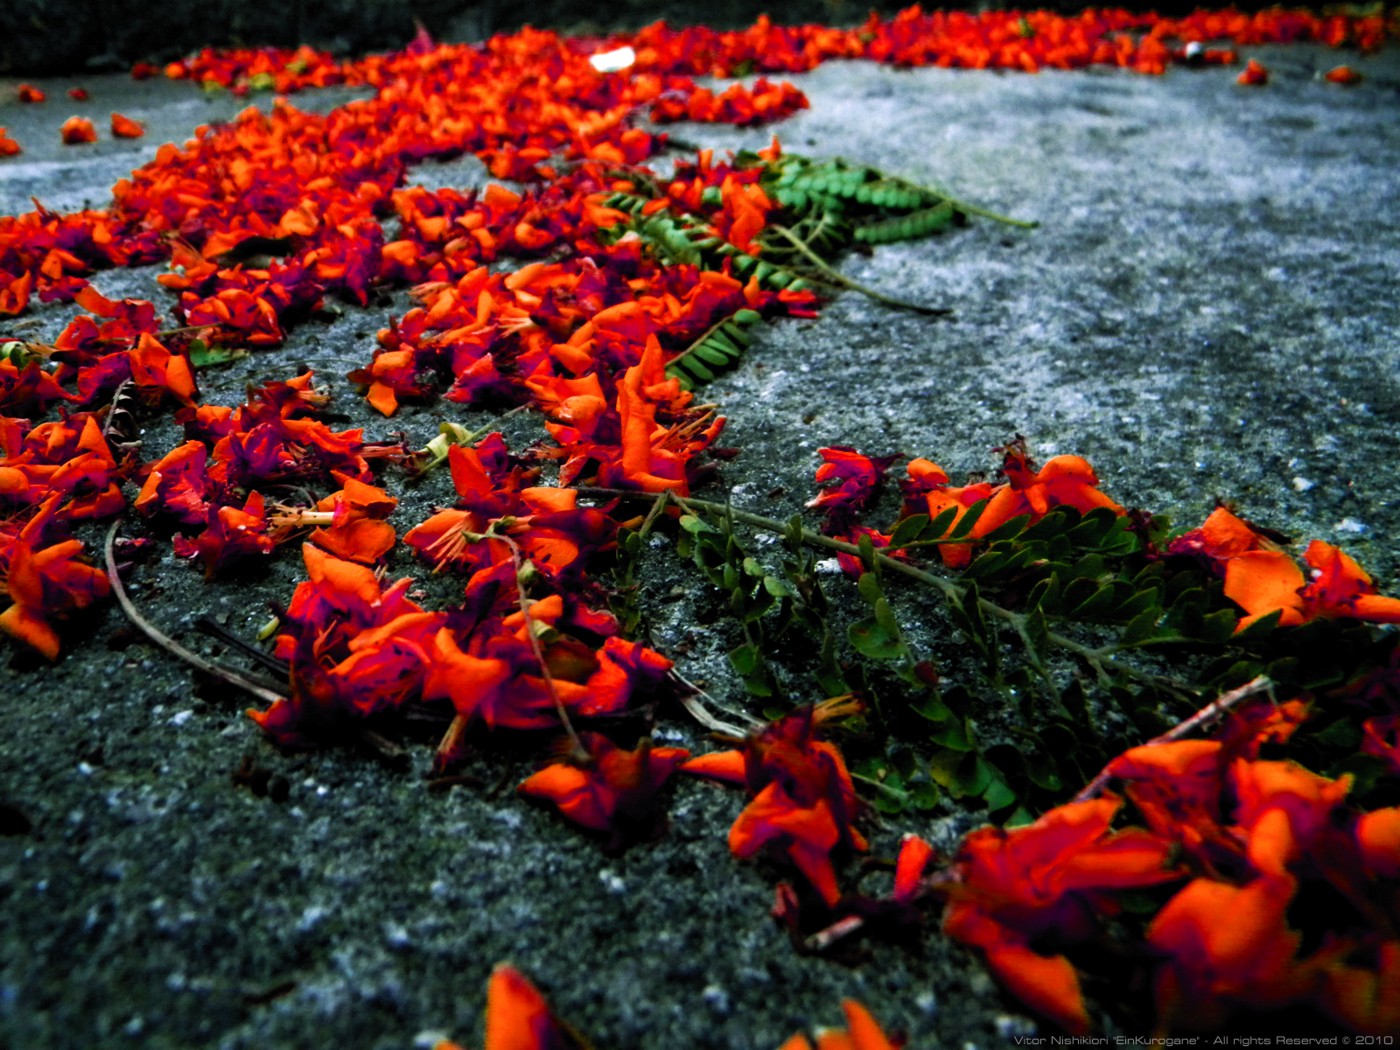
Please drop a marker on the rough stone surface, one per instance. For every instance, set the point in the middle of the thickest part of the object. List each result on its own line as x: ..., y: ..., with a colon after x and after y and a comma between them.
x: 1207, y: 309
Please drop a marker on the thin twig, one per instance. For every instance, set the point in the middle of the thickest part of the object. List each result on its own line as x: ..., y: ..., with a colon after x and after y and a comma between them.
x: 1217, y: 708
x: 580, y: 752
x: 1099, y: 657
x: 836, y: 277
x: 252, y: 652
x: 656, y: 508
x: 838, y: 930
x: 167, y: 643
x: 701, y: 713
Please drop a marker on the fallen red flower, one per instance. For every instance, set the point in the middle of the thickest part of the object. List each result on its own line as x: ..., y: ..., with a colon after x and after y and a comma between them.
x: 928, y: 492
x: 1282, y: 810
x: 68, y: 460
x: 1228, y: 947
x: 1051, y: 882
x: 126, y: 128
x: 45, y: 582
x: 356, y: 530
x: 1063, y: 481
x: 179, y: 484
x: 29, y: 389
x: 230, y: 535
x: 1254, y: 75
x: 1221, y: 537
x: 849, y: 481
x: 802, y: 797
x: 611, y: 790
x: 77, y: 131
x: 1266, y: 582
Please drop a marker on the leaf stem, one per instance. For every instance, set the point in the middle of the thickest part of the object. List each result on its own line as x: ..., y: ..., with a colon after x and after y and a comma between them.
x: 1007, y: 220
x: 836, y: 277
x: 1099, y: 657
x: 697, y: 343
x: 517, y: 556
x: 1217, y: 708
x: 163, y: 640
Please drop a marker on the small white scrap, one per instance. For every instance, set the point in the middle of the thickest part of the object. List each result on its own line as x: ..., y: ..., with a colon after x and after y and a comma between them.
x: 613, y: 61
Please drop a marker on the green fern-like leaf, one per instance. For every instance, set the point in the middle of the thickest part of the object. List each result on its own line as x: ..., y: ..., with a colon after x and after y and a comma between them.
x: 631, y: 203
x: 923, y: 223
x: 719, y: 348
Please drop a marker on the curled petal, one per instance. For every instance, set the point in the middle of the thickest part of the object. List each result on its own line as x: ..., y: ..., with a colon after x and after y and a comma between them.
x: 915, y: 855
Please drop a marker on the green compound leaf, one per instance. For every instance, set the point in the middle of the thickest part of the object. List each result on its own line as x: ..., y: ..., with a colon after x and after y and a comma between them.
x: 924, y: 223
x: 908, y: 531
x: 968, y: 520
x: 1144, y: 628
x: 717, y: 350
x: 1010, y: 529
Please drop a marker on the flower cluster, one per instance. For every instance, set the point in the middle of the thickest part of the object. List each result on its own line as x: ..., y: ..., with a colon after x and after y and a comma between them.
x: 802, y: 801
x: 1253, y: 847
x: 1256, y: 846
x: 1019, y: 40
x: 1028, y: 492
x: 52, y: 476
x: 522, y: 651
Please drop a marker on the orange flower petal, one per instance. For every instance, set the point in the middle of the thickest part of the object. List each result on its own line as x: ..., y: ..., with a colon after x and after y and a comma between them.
x: 382, y: 397
x: 1261, y: 582
x: 1226, y: 535
x: 914, y: 857
x: 26, y: 625
x: 1045, y: 983
x: 1378, y: 835
x: 517, y: 1017
x: 728, y: 766
x: 865, y: 1033
x: 568, y: 788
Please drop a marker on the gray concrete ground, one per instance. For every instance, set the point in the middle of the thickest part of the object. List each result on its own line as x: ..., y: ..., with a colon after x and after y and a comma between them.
x: 1207, y: 309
